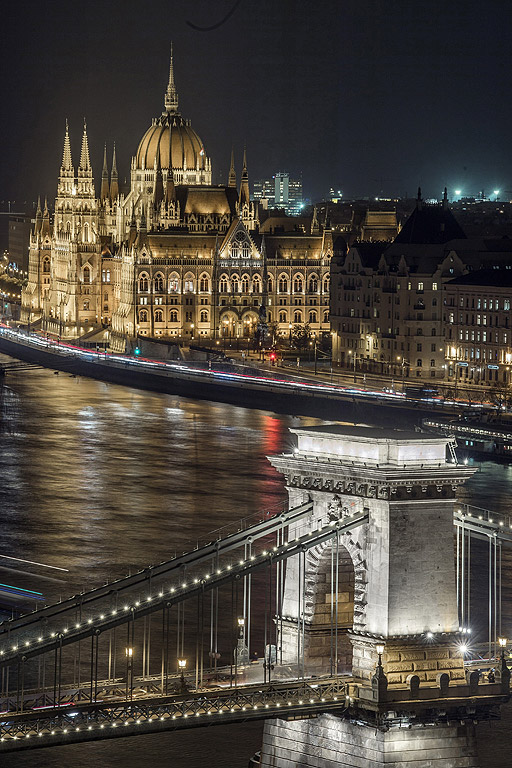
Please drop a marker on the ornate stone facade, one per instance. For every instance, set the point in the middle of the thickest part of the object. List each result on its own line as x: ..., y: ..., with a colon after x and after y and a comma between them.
x: 173, y: 256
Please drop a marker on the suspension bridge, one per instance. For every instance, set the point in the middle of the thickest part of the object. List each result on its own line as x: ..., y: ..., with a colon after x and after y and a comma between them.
x: 349, y: 610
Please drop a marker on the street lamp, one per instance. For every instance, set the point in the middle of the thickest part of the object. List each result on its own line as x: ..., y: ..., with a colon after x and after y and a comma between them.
x: 182, y: 665
x: 129, y: 671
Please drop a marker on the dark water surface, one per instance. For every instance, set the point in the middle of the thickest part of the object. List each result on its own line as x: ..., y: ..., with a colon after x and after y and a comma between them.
x: 102, y: 479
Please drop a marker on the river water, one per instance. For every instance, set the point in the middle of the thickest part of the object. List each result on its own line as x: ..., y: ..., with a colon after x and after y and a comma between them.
x: 102, y: 480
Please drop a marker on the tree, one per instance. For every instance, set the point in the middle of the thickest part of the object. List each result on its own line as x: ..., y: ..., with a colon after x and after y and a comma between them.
x: 300, y: 335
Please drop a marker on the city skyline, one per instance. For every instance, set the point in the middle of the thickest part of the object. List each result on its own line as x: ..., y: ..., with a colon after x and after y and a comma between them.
x: 371, y: 101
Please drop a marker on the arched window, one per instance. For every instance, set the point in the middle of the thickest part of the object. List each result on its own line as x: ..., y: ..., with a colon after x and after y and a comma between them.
x: 313, y: 284
x: 173, y: 317
x: 282, y: 317
x: 159, y: 316
x: 235, y: 284
x: 419, y: 362
x: 87, y: 275
x: 246, y: 250
x: 204, y: 284
x: 256, y: 284
x: 204, y: 316
x: 105, y: 275
x: 85, y: 233
x: 245, y: 284
x: 174, y: 284
x: 188, y: 284
x: 143, y: 316
x: 297, y: 284
x: 312, y: 317
x: 297, y: 316
x: 223, y: 284
x: 46, y: 266
x: 159, y: 283
x: 143, y: 283
x: 326, y: 284
x: 270, y: 285
x: 326, y: 316
x: 283, y: 284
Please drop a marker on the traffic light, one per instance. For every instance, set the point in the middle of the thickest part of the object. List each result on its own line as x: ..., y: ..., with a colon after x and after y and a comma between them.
x: 273, y: 357
x: 136, y: 351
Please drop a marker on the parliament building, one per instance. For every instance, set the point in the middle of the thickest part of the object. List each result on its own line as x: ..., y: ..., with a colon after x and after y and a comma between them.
x: 172, y: 256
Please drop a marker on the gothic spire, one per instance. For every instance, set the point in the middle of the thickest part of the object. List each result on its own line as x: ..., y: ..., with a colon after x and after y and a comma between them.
x: 170, y: 191
x: 85, y: 162
x: 232, y: 173
x: 39, y: 216
x: 244, y: 184
x: 159, y: 185
x: 104, y: 177
x: 67, y: 165
x: 114, y: 179
x: 45, y: 226
x: 171, y: 95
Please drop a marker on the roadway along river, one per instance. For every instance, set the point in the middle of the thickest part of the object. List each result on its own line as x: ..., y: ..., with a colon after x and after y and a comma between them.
x: 101, y: 479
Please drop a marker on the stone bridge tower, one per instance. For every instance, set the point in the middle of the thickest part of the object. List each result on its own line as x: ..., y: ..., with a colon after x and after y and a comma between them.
x: 378, y: 604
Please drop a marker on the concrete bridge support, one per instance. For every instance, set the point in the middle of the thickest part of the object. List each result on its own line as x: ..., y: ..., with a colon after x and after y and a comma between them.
x: 385, y: 587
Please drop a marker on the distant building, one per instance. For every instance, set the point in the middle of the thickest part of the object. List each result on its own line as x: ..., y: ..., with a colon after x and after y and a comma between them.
x: 421, y: 307
x: 280, y: 192
x: 19, y: 239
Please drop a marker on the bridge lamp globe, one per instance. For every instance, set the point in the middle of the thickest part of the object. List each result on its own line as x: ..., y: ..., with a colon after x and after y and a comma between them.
x: 182, y: 663
x: 128, y: 652
x: 380, y: 650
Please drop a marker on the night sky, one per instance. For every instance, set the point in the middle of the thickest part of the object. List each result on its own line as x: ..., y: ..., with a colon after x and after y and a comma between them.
x: 370, y: 97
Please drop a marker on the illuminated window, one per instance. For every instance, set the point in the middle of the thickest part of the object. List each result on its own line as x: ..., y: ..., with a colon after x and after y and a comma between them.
x: 143, y: 284
x: 159, y: 316
x: 87, y: 275
x: 204, y: 316
x: 143, y: 316
x: 159, y: 283
x: 204, y: 283
x: 312, y: 317
x: 173, y: 317
x: 46, y: 266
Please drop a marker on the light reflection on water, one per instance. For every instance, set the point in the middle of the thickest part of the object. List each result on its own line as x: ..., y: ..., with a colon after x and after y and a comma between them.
x: 104, y: 480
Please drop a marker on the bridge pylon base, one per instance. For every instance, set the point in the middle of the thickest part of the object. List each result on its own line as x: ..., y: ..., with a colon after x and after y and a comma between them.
x: 330, y: 741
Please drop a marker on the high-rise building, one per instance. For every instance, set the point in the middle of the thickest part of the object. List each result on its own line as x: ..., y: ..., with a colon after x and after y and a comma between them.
x: 280, y: 192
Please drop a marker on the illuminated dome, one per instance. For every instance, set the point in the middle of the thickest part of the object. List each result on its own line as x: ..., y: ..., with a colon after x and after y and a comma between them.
x: 171, y: 142
x: 171, y: 133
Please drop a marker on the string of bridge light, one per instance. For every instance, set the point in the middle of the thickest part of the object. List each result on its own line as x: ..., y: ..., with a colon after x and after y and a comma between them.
x: 91, y: 623
x: 150, y: 719
x: 491, y: 520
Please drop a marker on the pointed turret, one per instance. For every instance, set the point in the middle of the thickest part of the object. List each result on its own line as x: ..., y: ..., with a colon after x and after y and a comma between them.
x: 45, y: 226
x: 159, y: 184
x: 104, y: 177
x: 67, y: 164
x: 85, y: 162
x: 419, y: 201
x: 315, y: 226
x: 67, y: 172
x: 39, y: 217
x: 244, y: 184
x: 85, y: 182
x: 445, y: 199
x: 171, y: 96
x: 232, y: 173
x: 170, y: 190
x: 114, y: 179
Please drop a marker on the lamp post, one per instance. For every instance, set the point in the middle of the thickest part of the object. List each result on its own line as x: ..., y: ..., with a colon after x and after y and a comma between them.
x: 404, y: 362
x: 182, y: 665
x: 379, y: 679
x: 504, y: 671
x: 316, y: 351
x: 290, y: 334
x: 129, y: 671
